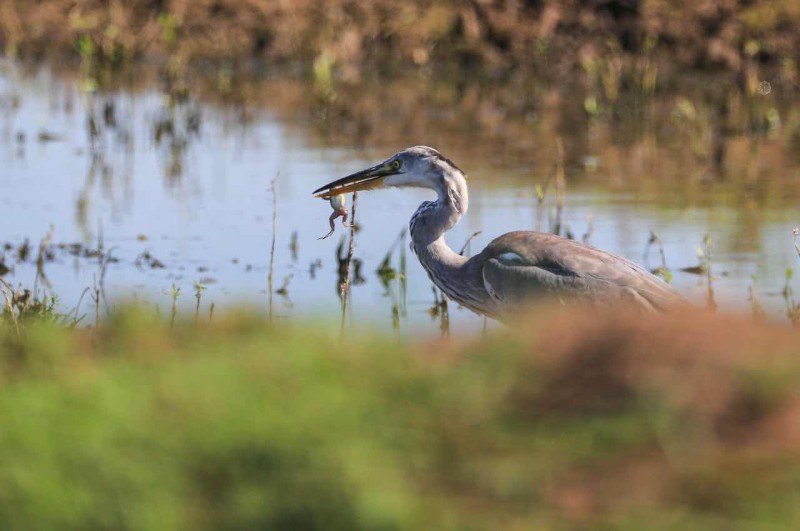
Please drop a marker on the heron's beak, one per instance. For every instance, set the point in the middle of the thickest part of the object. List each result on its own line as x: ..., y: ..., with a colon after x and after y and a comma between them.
x: 362, y: 180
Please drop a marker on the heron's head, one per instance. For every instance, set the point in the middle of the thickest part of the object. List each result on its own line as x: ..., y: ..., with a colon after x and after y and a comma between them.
x: 419, y: 166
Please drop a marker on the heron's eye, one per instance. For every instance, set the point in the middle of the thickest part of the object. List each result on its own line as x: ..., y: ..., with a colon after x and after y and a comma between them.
x: 396, y: 164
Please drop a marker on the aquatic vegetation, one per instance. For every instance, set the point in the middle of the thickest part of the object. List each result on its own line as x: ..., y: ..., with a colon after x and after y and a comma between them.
x: 465, y: 249
x: 345, y: 265
x: 146, y: 259
x: 393, y: 279
x: 199, y: 288
x: 440, y: 311
x: 294, y: 246
x: 792, y: 307
x: 25, y: 305
x: 661, y: 270
x: 174, y: 294
x: 679, y: 141
x: 283, y: 289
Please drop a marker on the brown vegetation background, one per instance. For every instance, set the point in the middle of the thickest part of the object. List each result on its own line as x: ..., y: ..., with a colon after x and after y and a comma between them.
x: 501, y: 35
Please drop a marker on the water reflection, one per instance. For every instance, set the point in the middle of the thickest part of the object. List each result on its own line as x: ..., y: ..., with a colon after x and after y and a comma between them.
x: 182, y: 179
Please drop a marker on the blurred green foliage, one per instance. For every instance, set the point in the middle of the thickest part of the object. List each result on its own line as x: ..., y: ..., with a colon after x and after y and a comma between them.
x: 245, y: 425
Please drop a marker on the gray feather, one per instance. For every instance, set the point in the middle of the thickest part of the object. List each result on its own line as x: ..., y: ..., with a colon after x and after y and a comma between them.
x: 551, y: 266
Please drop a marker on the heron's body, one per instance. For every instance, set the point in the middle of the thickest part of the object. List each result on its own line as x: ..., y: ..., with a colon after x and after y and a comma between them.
x: 518, y: 267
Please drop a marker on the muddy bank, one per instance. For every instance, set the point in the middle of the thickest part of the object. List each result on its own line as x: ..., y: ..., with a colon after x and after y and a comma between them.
x: 353, y: 37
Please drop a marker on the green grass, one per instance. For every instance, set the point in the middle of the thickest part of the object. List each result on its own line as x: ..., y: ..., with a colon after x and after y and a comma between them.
x: 243, y: 425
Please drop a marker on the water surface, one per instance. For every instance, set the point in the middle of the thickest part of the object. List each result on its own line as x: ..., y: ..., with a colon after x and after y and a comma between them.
x: 185, y: 185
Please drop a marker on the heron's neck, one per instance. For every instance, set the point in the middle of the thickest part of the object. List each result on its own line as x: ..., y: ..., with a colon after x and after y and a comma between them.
x: 433, y: 219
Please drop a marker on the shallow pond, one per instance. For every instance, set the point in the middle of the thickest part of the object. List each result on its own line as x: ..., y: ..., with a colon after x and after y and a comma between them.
x: 180, y: 192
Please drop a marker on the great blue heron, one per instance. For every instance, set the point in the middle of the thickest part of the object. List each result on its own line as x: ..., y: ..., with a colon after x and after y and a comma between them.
x: 518, y: 266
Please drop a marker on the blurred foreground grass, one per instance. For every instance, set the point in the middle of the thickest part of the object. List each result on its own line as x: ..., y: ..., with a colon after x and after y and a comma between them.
x: 600, y: 421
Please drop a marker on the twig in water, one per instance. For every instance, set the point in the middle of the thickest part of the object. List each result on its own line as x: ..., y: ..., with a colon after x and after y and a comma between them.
x: 386, y: 273
x: 344, y: 287
x: 75, y: 317
x: 795, y: 233
x: 176, y: 291
x: 198, y: 294
x: 96, y: 298
x: 589, y: 229
x: 541, y: 193
x: 8, y: 295
x: 540, y: 199
x: 105, y: 258
x: 792, y: 307
x: 440, y: 310
x: 561, y: 186
x: 272, y: 247
x: 403, y: 285
x: 661, y: 270
x: 293, y: 246
x: 283, y: 291
x: 40, y: 260
x: 706, y: 264
x: 465, y: 247
x: 445, y: 324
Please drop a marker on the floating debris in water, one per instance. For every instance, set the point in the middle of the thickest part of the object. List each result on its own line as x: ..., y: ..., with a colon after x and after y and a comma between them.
x: 341, y: 258
x: 147, y: 259
x: 700, y: 269
x: 312, y: 268
x: 47, y: 136
x: 284, y: 289
x: 339, y: 205
x: 80, y: 250
x: 109, y: 114
x: 293, y: 246
x: 24, y: 250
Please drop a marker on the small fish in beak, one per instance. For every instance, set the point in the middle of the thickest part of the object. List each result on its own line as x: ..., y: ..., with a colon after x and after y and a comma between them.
x: 339, y: 206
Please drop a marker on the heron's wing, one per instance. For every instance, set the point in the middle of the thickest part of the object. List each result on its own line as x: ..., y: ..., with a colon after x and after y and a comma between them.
x: 520, y: 266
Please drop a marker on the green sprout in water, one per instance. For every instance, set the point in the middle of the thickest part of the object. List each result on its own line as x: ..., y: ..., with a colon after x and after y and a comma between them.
x: 176, y: 292
x: 662, y: 270
x: 198, y: 294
